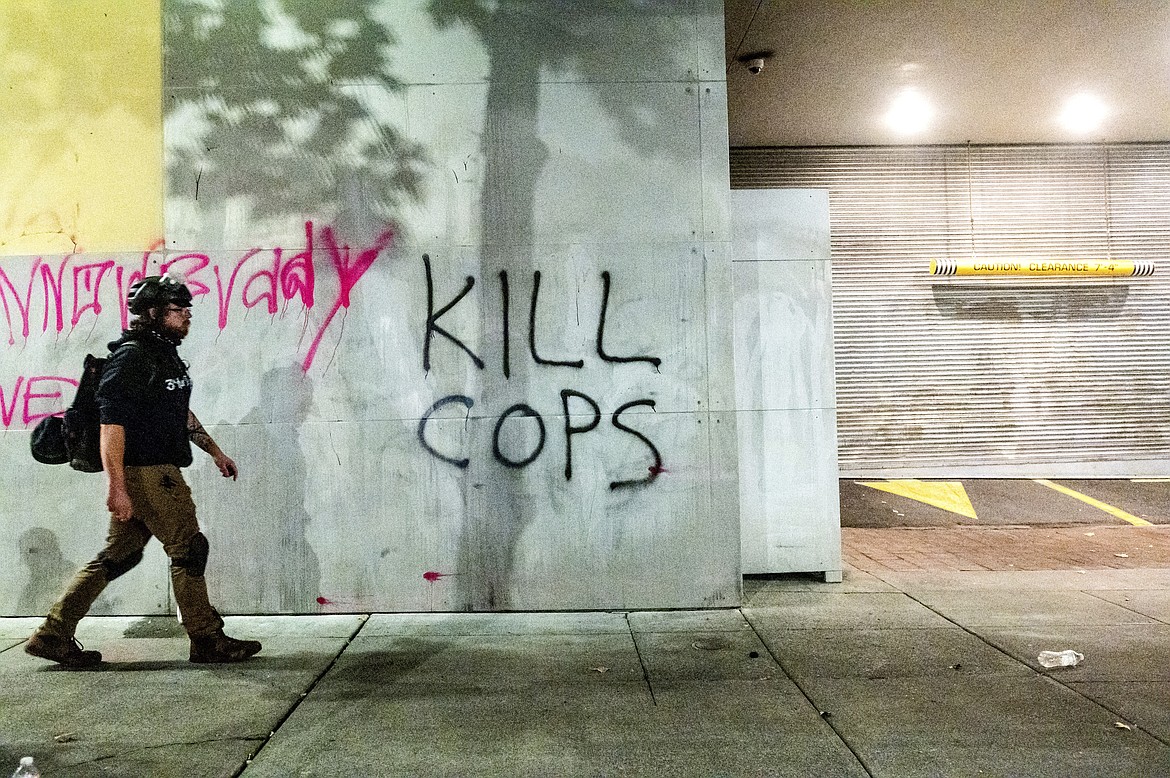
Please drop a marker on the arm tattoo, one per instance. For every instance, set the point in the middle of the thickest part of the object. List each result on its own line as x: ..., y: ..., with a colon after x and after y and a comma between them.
x: 197, y: 434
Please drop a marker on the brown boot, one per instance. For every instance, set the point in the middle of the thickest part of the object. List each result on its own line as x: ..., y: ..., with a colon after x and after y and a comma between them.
x: 218, y: 647
x: 65, y: 652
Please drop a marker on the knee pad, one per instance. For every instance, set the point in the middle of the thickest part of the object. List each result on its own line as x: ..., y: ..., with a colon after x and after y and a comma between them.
x: 195, y: 561
x: 116, y: 568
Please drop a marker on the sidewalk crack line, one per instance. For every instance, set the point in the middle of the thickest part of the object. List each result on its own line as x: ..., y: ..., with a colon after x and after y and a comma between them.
x: 303, y: 696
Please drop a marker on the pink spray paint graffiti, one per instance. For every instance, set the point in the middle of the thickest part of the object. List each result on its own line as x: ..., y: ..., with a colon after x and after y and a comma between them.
x: 267, y: 277
x: 39, y: 396
x: 348, y: 275
x: 344, y: 604
x: 432, y: 577
x: 60, y: 293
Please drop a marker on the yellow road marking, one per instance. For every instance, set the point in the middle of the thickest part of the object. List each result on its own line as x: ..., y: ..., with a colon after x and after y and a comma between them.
x: 1117, y: 512
x: 948, y: 495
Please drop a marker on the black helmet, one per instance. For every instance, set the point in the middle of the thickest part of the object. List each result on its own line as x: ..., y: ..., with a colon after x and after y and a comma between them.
x: 155, y: 292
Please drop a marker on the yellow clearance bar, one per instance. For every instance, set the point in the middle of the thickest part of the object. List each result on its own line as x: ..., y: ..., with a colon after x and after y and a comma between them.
x: 1040, y: 267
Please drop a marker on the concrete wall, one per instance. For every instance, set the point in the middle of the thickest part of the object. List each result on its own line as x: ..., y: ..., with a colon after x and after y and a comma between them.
x: 337, y: 175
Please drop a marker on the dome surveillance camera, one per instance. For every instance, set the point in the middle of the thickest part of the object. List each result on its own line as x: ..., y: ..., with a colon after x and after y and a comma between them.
x: 754, y: 62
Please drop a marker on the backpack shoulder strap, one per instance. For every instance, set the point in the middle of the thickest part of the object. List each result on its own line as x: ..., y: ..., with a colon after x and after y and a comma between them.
x: 153, y: 363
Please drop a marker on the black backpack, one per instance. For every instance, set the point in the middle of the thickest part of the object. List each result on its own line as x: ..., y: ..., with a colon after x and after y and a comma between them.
x: 76, y: 437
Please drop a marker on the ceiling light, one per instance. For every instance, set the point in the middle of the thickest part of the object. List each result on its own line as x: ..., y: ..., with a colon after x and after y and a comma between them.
x: 909, y: 113
x: 1083, y: 114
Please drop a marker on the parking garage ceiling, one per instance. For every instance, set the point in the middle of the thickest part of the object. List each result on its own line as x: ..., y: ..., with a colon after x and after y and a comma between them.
x: 880, y: 72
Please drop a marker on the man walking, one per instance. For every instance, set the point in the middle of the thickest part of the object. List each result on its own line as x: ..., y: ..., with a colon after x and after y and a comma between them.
x: 146, y: 433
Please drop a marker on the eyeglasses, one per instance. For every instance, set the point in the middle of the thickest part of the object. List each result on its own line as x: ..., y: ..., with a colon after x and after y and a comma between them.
x: 178, y: 309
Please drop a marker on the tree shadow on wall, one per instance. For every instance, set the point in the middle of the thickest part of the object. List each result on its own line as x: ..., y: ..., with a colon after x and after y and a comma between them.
x: 594, y: 44
x: 280, y: 111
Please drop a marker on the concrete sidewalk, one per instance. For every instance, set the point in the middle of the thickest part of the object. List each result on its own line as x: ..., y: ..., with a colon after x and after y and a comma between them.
x: 1005, y: 548
x: 900, y: 674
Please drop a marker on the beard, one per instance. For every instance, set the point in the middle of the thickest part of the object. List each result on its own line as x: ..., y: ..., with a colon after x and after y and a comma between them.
x: 174, y: 332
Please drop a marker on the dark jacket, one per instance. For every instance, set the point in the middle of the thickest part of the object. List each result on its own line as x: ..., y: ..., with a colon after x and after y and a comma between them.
x: 146, y: 390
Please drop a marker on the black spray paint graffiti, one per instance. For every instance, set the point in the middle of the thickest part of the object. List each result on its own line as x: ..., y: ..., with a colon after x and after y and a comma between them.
x: 433, y: 328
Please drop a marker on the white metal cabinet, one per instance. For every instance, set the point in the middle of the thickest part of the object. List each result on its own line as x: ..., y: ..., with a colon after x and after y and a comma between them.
x: 786, y: 412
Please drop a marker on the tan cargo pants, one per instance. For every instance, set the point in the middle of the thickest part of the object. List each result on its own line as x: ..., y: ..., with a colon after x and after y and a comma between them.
x: 163, y: 508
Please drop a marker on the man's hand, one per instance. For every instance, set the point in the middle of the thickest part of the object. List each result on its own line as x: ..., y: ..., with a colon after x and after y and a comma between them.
x: 113, y: 446
x: 200, y: 438
x: 226, y: 466
x: 118, y: 503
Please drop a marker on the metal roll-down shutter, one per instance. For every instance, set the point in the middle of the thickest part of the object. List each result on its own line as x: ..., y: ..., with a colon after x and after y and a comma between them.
x: 993, y: 376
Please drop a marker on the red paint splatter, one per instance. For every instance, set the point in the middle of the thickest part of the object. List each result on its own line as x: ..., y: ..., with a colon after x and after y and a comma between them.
x: 432, y: 576
x: 657, y: 470
x: 323, y: 601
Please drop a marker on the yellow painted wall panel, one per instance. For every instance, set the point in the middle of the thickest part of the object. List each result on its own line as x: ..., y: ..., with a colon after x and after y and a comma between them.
x: 80, y: 126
